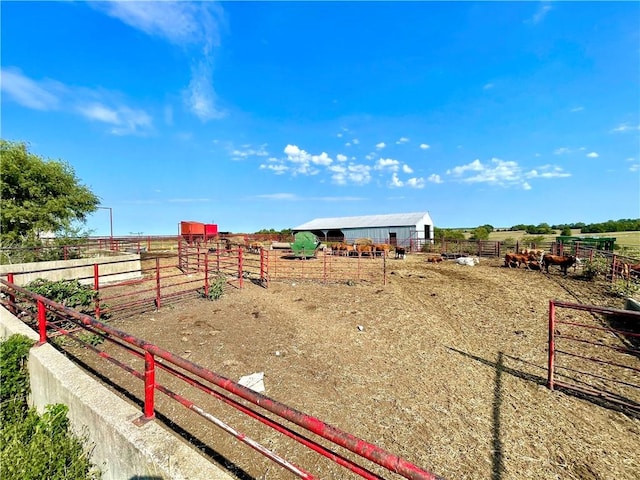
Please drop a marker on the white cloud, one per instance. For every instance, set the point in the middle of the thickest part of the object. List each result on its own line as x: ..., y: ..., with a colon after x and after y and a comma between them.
x: 593, y: 155
x: 434, y: 178
x: 526, y: 186
x: 355, y: 141
x: 487, y: 86
x: 279, y: 196
x: 278, y: 168
x: 370, y: 156
x: 187, y: 24
x: 95, y: 105
x: 625, y: 127
x: 339, y: 135
x: 561, y: 151
x: 341, y: 158
x: 577, y: 109
x: 542, y: 12
x: 199, y: 96
x: 395, y: 181
x: 387, y: 164
x: 27, y: 92
x: 402, y: 140
x: 502, y: 173
x: 424, y: 146
x: 249, y: 151
x: 407, y: 169
x: 124, y: 120
x: 180, y: 23
x: 415, y: 182
x: 356, y: 174
x: 381, y: 145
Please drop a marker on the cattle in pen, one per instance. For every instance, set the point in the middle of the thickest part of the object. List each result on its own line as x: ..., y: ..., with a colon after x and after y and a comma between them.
x: 563, y: 261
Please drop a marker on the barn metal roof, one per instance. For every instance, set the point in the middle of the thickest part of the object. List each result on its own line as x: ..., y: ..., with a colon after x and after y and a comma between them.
x: 390, y: 220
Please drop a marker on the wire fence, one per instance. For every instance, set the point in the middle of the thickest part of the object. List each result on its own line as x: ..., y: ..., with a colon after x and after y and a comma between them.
x: 180, y: 380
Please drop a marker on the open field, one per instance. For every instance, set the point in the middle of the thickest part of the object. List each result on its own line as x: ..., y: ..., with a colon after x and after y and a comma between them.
x: 629, y: 240
x: 448, y: 371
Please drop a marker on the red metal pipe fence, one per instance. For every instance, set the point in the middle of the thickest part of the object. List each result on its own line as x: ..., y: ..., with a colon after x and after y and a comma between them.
x: 597, y: 356
x: 54, y: 319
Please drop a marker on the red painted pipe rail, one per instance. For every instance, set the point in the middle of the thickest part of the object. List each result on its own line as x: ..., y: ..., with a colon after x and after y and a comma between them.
x: 356, y: 445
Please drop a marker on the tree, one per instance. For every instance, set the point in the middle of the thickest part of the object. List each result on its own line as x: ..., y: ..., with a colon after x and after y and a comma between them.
x: 566, y: 231
x: 39, y: 195
x: 480, y: 233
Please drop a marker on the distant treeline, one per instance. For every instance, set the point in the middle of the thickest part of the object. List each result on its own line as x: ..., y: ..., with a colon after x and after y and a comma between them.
x: 482, y: 232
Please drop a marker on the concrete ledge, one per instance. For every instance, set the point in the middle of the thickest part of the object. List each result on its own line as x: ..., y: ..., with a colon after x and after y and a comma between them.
x: 121, y: 449
x: 110, y: 269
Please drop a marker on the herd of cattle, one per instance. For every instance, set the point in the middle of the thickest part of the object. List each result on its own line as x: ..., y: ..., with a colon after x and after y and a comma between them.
x: 532, y: 259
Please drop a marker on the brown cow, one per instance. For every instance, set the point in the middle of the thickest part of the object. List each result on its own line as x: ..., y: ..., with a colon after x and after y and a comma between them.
x: 515, y: 260
x: 563, y: 261
x: 434, y: 259
x: 368, y: 249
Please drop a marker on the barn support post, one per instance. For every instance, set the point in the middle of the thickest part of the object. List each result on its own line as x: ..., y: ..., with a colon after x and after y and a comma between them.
x: 96, y: 288
x: 12, y: 297
x: 552, y: 344
x: 240, y: 272
x: 157, y: 283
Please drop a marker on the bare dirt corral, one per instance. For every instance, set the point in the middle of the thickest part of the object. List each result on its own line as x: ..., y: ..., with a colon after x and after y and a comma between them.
x: 448, y: 371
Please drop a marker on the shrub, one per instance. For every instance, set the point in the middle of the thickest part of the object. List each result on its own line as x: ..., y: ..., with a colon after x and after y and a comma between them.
x: 35, y: 447
x: 594, y: 267
x: 216, y: 288
x: 623, y: 288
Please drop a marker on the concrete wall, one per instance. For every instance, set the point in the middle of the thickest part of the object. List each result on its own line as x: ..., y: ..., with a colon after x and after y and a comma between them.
x: 110, y: 269
x: 120, y: 449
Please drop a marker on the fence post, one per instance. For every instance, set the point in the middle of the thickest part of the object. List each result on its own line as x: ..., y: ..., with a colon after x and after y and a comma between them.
x: 384, y: 267
x: 149, y: 390
x: 552, y: 344
x: 324, y: 267
x: 42, y: 323
x: 240, y: 266
x: 206, y: 275
x: 96, y: 287
x: 12, y: 297
x: 157, y: 283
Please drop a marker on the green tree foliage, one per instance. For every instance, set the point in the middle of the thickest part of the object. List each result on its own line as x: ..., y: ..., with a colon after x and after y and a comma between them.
x: 566, y: 231
x: 447, y: 234
x: 480, y: 233
x: 39, y: 195
x: 622, y: 225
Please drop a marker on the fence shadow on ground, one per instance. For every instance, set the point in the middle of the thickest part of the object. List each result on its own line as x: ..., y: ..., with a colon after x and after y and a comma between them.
x: 216, y: 457
x: 595, y: 399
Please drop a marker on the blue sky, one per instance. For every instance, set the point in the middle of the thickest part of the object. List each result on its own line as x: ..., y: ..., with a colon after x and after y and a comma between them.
x: 259, y: 115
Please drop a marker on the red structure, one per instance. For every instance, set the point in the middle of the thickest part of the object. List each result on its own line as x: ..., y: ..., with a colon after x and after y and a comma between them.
x: 197, y: 231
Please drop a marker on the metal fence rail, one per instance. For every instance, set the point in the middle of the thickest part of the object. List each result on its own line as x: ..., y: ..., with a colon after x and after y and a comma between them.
x: 613, y: 372
x: 52, y: 320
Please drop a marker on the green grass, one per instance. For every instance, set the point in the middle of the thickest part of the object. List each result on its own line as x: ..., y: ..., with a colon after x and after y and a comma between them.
x: 33, y: 446
x: 623, y: 239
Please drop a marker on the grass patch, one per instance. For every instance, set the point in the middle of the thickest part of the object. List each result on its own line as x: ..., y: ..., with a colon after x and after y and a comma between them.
x: 33, y: 446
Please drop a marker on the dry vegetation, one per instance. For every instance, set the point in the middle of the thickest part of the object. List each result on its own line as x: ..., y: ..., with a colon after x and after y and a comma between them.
x: 447, y: 372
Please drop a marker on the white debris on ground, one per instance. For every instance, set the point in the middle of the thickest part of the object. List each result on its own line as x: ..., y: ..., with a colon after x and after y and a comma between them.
x: 255, y: 382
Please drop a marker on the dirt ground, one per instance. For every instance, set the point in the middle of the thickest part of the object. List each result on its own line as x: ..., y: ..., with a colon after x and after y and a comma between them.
x: 445, y: 366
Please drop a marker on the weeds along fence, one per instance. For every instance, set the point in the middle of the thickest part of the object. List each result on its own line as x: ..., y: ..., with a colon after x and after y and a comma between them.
x: 202, y: 392
x: 596, y: 352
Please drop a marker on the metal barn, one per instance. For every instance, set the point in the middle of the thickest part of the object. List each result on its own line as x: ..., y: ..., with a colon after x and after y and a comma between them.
x: 403, y: 229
